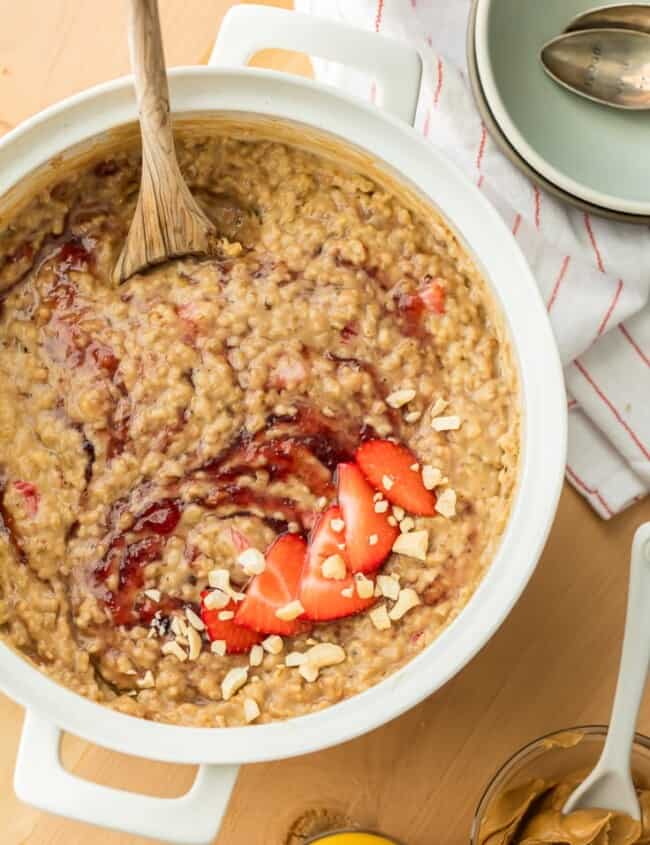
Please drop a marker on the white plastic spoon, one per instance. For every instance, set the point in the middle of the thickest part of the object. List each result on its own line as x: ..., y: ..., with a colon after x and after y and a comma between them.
x: 610, y: 785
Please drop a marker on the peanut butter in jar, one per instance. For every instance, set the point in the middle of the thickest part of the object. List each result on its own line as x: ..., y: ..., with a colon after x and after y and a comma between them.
x: 524, y: 802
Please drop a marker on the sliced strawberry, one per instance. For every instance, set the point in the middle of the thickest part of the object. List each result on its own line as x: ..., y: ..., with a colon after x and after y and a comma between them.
x: 276, y: 587
x: 323, y: 598
x: 369, y: 537
x: 433, y: 296
x: 238, y: 640
x: 387, y: 466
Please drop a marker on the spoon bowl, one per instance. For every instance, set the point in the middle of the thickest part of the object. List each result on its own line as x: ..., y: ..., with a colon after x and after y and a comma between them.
x: 609, y: 66
x: 634, y: 16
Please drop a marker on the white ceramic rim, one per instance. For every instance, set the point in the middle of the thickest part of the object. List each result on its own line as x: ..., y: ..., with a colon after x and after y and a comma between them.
x: 404, y: 152
x: 501, y: 116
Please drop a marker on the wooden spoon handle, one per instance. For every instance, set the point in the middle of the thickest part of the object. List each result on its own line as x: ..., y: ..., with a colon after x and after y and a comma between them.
x: 167, y: 221
x: 152, y: 91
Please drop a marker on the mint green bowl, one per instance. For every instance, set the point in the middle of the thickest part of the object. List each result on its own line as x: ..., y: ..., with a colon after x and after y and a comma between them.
x: 594, y: 153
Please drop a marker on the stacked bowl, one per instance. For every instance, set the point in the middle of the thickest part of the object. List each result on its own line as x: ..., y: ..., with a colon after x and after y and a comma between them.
x: 584, y: 153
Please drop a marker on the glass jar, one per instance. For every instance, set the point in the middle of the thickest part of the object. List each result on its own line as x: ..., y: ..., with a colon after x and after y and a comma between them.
x: 556, y: 756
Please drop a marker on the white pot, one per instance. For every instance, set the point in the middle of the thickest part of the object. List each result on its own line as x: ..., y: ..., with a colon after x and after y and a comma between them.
x: 386, y: 134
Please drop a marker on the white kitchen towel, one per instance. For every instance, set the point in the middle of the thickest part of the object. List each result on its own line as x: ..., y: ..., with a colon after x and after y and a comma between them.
x: 594, y: 274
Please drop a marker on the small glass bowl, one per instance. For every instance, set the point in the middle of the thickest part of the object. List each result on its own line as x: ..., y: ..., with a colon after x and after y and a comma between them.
x: 356, y: 836
x: 547, y: 757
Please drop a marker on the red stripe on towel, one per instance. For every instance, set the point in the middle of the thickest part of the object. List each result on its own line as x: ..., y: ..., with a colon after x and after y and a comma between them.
x: 634, y: 345
x: 481, y: 147
x: 558, y: 281
x: 642, y: 447
x: 591, y: 491
x: 441, y: 79
x: 592, y: 238
x: 378, y: 16
x: 612, y: 306
x: 427, y: 124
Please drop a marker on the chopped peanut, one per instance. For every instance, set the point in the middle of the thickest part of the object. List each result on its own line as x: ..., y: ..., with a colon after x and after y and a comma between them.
x: 365, y: 587
x: 308, y: 672
x: 179, y: 626
x: 252, y: 561
x: 413, y: 544
x: 233, y: 681
x: 400, y: 397
x: 407, y: 524
x: 195, y: 643
x: 219, y: 579
x: 438, y: 407
x: 379, y: 618
x: 388, y: 587
x: 333, y: 567
x: 251, y: 710
x: 273, y: 644
x: 446, y: 423
x: 216, y: 600
x: 195, y: 621
x: 406, y: 600
x: 173, y: 648
x: 431, y: 477
x: 290, y: 611
x: 446, y: 503
x: 318, y: 657
x: 325, y: 654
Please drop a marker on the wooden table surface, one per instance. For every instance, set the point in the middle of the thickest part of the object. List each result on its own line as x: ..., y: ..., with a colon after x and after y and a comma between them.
x: 552, y: 664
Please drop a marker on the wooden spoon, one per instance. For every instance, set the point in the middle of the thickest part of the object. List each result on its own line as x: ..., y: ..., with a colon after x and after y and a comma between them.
x: 168, y: 222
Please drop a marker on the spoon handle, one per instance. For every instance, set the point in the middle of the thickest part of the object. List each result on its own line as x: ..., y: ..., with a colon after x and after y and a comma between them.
x: 152, y: 91
x: 635, y: 657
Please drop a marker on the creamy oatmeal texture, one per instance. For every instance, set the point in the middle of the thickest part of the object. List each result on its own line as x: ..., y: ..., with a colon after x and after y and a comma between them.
x: 149, y: 432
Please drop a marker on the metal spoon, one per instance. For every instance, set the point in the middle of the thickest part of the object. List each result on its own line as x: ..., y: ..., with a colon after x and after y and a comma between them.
x: 610, y: 785
x: 168, y: 221
x: 631, y: 16
x: 610, y: 66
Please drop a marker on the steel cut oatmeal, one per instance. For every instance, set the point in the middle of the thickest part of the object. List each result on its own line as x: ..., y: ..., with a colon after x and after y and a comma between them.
x: 244, y: 488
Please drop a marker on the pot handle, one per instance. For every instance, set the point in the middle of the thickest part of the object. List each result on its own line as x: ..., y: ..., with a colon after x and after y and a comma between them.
x: 396, y: 67
x: 41, y: 780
